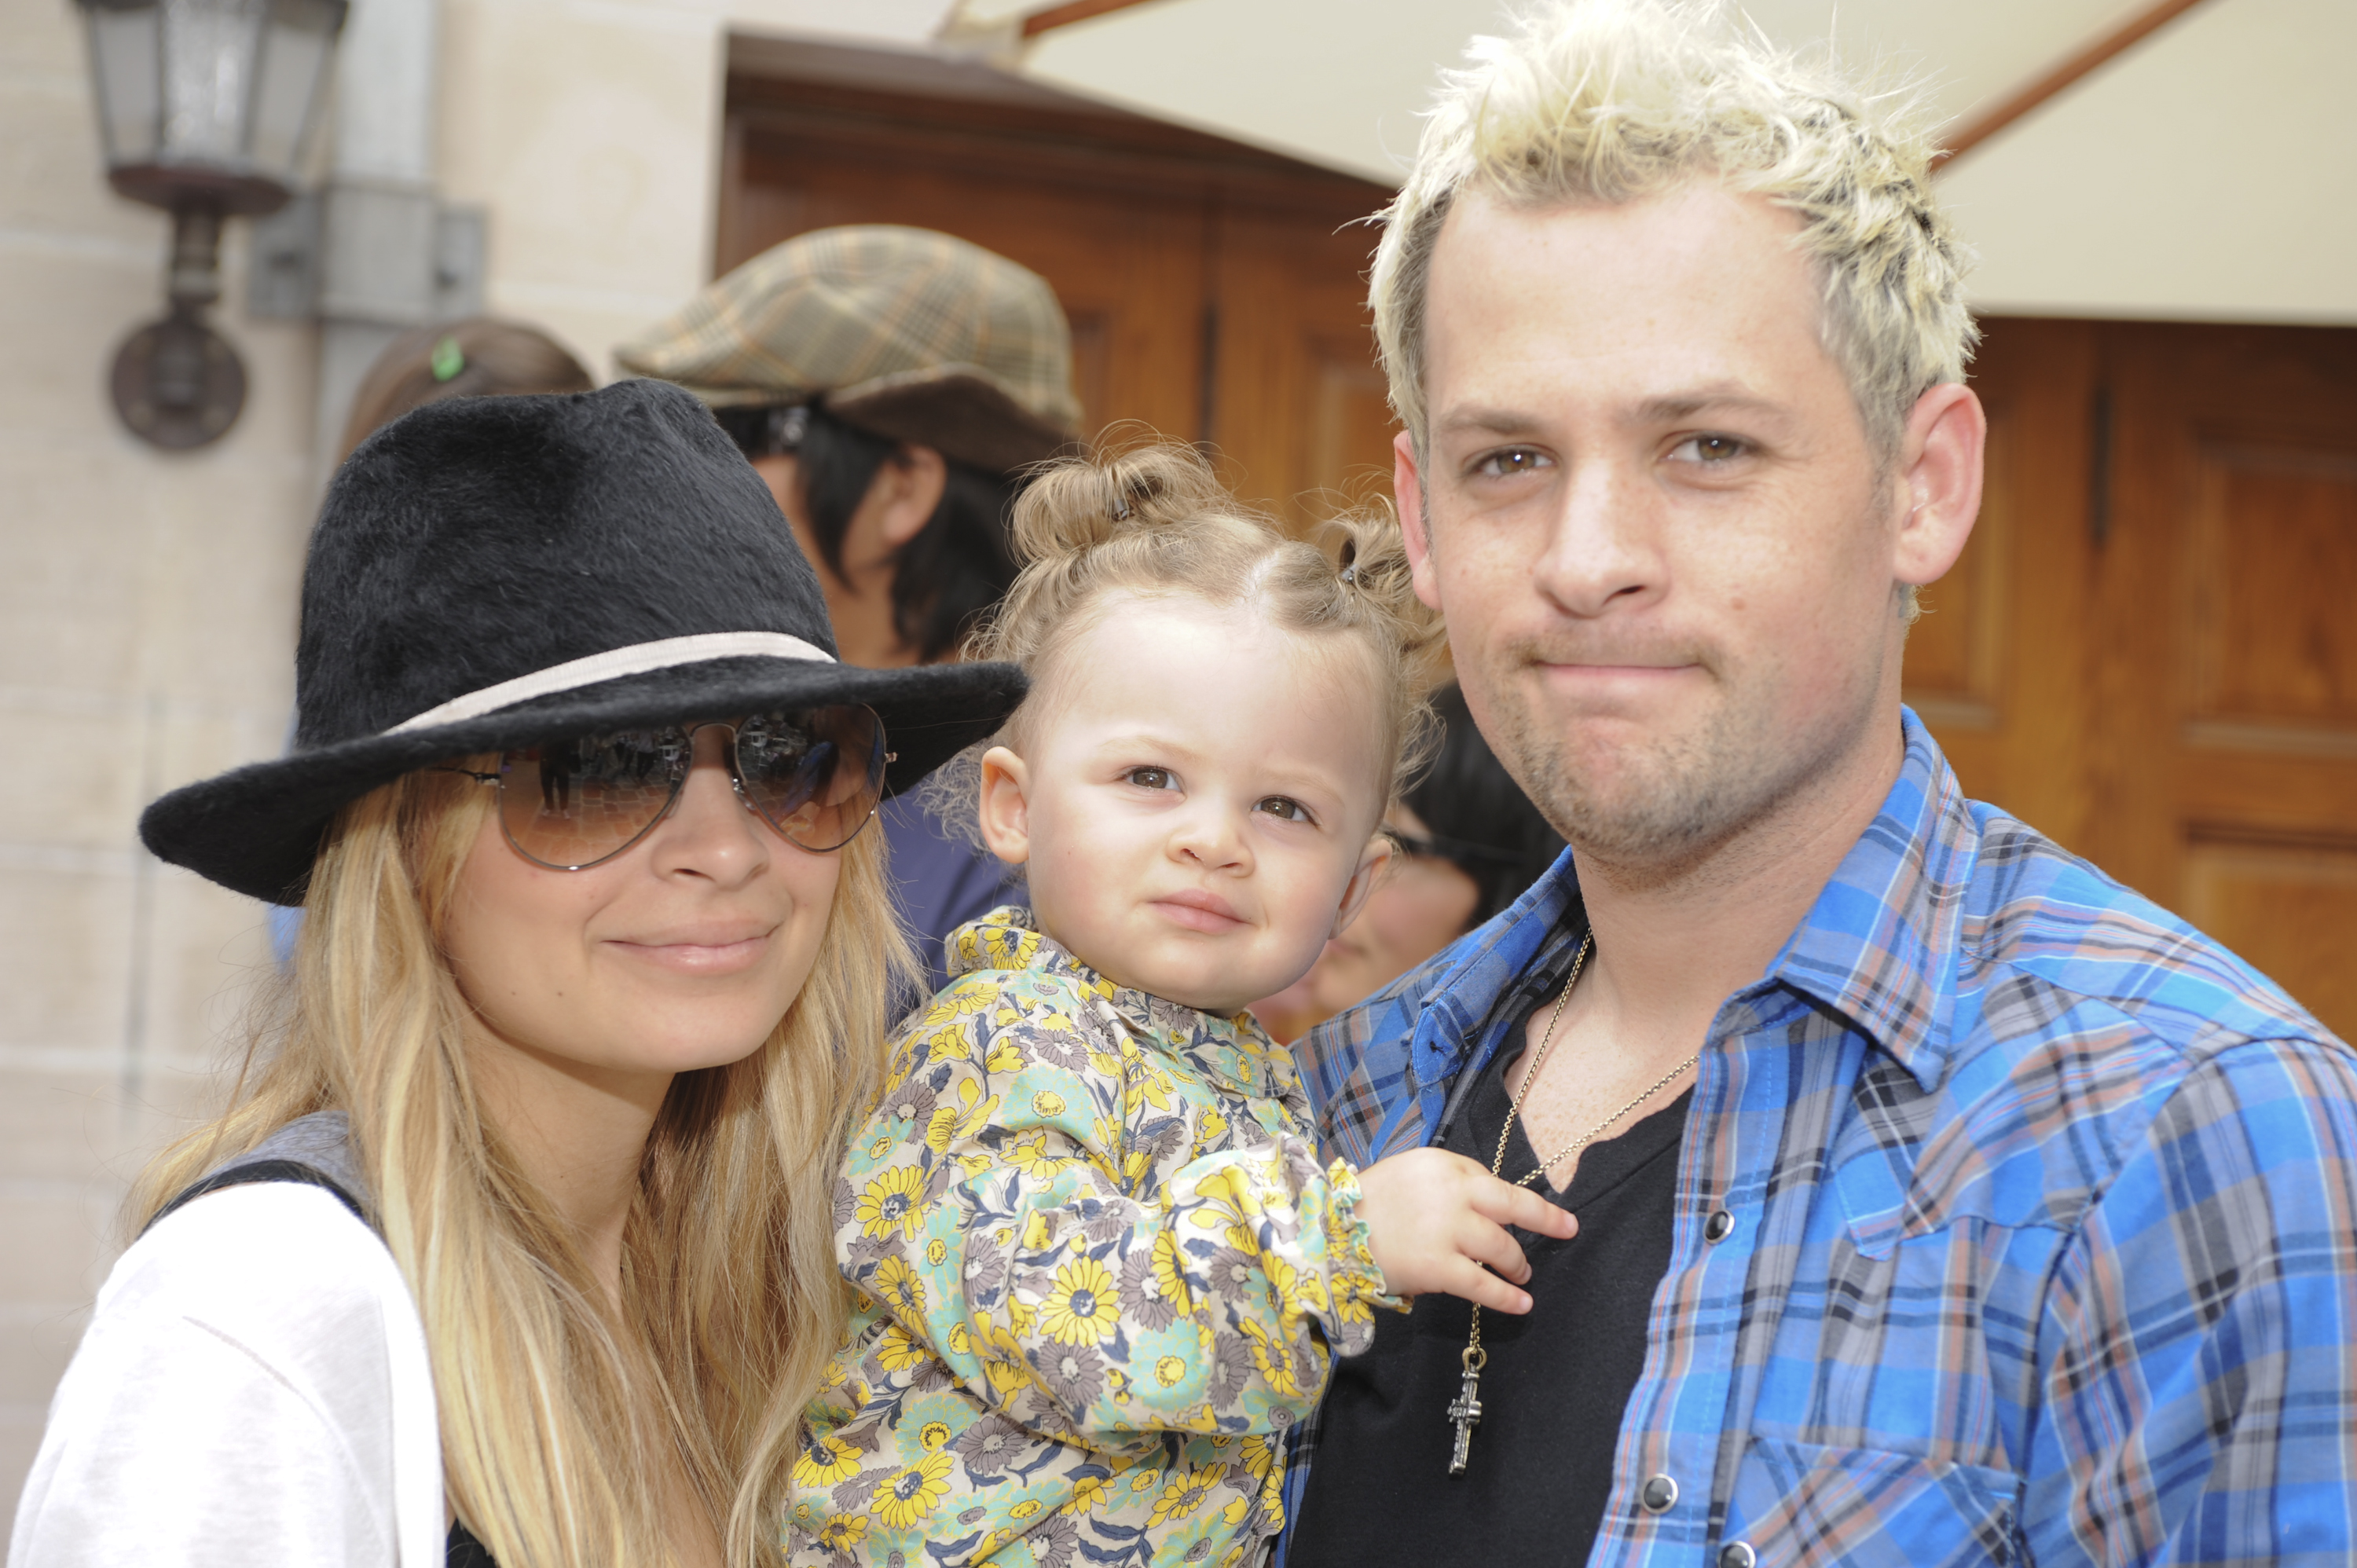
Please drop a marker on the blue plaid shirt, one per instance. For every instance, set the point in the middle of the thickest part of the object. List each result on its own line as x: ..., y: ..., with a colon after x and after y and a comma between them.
x: 2044, y: 1240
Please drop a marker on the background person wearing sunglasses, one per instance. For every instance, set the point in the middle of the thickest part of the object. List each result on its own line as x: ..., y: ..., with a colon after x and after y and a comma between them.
x: 892, y: 386
x: 1472, y: 842
x: 514, y: 1241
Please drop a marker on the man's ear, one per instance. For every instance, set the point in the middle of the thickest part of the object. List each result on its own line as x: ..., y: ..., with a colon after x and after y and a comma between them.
x: 1416, y: 520
x: 911, y: 483
x: 1006, y: 813
x: 1939, y: 482
x: 1372, y: 866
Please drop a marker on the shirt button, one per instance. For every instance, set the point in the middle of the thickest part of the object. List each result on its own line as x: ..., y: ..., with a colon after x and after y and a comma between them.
x: 1738, y: 1554
x: 1658, y: 1494
x: 1718, y: 1227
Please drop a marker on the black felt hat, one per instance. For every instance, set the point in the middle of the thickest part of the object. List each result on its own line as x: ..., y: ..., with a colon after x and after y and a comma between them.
x: 502, y: 571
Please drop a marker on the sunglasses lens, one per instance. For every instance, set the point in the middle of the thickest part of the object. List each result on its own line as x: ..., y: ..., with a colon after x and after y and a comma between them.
x: 578, y: 802
x: 815, y: 774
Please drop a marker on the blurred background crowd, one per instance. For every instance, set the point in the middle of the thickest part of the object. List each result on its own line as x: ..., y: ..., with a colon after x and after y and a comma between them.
x: 1150, y: 209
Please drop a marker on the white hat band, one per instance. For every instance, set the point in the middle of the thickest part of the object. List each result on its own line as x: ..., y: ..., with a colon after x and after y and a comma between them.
x: 611, y: 665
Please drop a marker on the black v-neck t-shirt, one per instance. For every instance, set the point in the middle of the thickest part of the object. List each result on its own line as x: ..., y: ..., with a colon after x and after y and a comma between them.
x: 1540, y: 1471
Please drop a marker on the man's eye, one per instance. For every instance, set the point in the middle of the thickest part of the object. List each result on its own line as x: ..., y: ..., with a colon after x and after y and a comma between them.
x: 1151, y: 777
x: 1286, y: 810
x: 1710, y: 449
x: 1513, y: 460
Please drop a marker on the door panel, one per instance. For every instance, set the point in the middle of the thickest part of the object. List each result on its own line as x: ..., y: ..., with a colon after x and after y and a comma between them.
x: 2296, y: 903
x: 1299, y: 406
x: 2171, y: 535
x: 2273, y: 643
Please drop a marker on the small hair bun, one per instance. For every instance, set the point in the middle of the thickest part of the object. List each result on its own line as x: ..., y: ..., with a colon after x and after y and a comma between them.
x: 1078, y: 504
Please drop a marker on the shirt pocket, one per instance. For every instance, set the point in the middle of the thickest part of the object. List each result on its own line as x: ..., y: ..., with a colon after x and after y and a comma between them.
x: 1867, y: 1507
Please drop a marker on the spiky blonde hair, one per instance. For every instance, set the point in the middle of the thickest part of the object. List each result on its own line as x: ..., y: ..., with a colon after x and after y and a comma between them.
x: 1613, y: 101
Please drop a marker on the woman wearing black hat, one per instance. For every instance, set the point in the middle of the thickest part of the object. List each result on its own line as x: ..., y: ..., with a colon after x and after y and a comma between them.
x: 517, y: 1236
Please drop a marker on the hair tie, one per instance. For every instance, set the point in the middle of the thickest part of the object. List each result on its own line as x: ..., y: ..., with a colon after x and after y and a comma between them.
x: 1120, y: 507
x: 1350, y: 562
x: 1351, y: 575
x: 446, y: 360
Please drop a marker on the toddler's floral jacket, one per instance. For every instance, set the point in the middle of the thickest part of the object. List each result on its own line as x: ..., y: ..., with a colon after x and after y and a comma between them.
x: 1100, y: 1271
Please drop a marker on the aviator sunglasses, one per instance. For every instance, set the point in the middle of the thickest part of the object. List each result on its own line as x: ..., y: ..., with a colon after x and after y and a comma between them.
x: 813, y: 774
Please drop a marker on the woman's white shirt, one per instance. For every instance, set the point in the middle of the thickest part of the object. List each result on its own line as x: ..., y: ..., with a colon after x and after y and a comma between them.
x: 253, y: 1388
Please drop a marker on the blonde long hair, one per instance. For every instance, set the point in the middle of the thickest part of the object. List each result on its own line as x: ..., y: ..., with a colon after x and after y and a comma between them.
x: 556, y: 1414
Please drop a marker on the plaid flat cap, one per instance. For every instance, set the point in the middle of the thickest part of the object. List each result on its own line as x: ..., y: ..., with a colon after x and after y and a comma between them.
x: 914, y: 335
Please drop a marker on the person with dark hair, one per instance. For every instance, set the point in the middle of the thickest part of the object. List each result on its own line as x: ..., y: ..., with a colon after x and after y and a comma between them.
x: 478, y: 357
x: 924, y: 588
x: 891, y: 385
x: 1470, y: 842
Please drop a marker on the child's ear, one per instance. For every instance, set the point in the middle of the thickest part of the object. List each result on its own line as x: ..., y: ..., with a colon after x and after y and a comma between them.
x: 1005, y: 814
x: 1372, y: 864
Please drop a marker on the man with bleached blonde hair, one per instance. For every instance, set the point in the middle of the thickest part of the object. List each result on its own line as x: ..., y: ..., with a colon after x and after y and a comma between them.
x: 1940, y: 1201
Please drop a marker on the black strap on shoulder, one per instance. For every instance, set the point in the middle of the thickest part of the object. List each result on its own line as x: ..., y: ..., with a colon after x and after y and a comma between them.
x: 463, y: 1550
x: 265, y: 1170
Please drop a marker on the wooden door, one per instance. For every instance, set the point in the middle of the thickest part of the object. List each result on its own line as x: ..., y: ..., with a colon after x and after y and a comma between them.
x: 1215, y: 291
x: 2150, y: 651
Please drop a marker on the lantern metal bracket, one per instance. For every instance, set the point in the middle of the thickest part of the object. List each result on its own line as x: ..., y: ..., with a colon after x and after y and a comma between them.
x: 378, y: 252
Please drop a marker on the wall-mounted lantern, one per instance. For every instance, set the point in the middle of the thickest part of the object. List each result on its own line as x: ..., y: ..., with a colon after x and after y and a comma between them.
x: 206, y: 107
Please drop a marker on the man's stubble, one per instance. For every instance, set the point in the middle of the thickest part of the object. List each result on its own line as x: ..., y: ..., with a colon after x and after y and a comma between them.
x: 1648, y: 813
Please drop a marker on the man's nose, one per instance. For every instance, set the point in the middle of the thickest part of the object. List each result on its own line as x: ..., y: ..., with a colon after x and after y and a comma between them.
x: 1601, y: 546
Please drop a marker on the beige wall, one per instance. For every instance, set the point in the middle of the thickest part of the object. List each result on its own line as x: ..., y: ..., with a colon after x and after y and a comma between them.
x: 147, y: 624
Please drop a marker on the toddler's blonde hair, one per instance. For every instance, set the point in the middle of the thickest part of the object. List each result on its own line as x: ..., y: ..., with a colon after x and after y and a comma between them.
x: 1155, y: 521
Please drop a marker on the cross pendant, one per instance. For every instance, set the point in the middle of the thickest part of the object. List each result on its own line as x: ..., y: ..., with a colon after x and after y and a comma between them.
x: 1465, y: 1411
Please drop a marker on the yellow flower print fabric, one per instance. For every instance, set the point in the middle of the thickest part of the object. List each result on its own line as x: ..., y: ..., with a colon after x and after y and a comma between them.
x: 1100, y: 1272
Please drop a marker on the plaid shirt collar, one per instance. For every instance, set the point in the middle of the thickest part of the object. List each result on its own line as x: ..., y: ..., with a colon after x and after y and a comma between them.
x: 1881, y: 944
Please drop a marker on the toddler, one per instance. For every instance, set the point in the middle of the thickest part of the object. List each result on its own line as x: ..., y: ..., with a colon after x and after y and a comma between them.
x: 1100, y: 1268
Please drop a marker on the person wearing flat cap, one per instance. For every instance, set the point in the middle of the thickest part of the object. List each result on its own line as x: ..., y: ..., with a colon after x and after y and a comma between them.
x: 514, y: 1242
x: 892, y: 386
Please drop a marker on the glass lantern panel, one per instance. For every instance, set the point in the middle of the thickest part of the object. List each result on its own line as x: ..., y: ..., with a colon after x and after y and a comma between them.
x: 130, y: 87
x: 209, y: 55
x: 294, y: 51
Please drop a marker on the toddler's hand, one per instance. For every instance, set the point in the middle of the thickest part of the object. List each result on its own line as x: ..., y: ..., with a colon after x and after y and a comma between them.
x: 1434, y: 1218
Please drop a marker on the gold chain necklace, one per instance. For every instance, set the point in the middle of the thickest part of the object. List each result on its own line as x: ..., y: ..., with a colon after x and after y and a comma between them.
x: 1465, y: 1411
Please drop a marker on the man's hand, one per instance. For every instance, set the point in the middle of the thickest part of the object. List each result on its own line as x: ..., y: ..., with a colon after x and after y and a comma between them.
x: 1434, y: 1219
